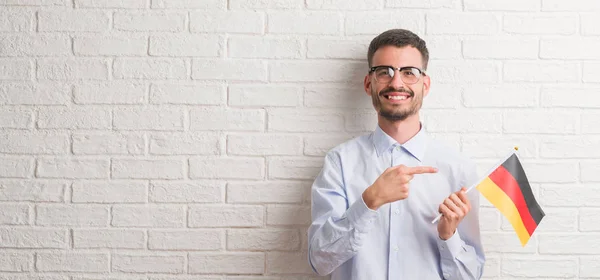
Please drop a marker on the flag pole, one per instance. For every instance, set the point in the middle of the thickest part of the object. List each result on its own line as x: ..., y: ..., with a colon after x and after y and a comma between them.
x: 512, y: 151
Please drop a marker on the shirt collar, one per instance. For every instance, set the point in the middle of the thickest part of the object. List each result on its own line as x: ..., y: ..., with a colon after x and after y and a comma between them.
x: 415, y: 145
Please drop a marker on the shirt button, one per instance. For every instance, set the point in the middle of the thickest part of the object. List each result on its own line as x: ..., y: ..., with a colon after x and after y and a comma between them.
x: 398, y: 148
x: 397, y: 211
x: 446, y: 275
x: 396, y: 248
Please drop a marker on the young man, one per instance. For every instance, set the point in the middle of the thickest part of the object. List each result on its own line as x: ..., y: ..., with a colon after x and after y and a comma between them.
x: 375, y: 198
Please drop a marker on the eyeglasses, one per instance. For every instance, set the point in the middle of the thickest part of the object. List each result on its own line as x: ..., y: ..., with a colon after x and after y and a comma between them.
x: 409, y: 74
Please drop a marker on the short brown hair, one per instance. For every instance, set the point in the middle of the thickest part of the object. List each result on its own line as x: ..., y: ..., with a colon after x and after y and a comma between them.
x: 399, y: 38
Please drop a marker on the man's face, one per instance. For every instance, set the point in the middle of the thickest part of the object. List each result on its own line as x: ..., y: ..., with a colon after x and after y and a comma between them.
x: 396, y: 100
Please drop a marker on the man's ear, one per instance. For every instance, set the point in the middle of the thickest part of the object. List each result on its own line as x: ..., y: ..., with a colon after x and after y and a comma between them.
x: 426, y: 85
x: 367, y: 84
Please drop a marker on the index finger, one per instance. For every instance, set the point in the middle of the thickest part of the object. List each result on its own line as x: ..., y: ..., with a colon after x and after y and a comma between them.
x: 421, y: 170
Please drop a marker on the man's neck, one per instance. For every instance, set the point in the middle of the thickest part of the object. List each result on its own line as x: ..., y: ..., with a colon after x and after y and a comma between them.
x: 401, y: 131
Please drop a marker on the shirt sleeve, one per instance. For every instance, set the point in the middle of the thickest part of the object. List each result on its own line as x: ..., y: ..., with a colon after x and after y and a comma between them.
x: 462, y: 256
x: 338, y: 229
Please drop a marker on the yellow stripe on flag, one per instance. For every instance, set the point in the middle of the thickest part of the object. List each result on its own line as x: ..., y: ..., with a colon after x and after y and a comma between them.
x: 498, y: 198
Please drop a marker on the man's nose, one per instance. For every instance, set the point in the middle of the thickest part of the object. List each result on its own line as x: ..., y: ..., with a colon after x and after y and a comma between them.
x: 396, y: 81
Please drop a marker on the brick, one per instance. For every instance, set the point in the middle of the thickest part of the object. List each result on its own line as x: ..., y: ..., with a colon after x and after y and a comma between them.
x: 502, y: 48
x: 313, y: 23
x: 589, y: 123
x: 264, y: 47
x: 33, y: 277
x: 147, y: 169
x: 462, y: 24
x: 16, y: 261
x: 444, y: 47
x: 34, y: 238
x: 184, y: 144
x: 15, y: 20
x: 475, y: 121
x: 540, y: 24
x: 72, y: 262
x: 148, y: 119
x: 35, y: 45
x: 193, y: 94
x: 13, y: 214
x: 336, y: 97
x: 73, y: 20
x: 32, y: 190
x: 447, y: 71
x: 111, y: 143
x: 590, y: 70
x: 568, y: 244
x: 15, y: 69
x: 288, y: 215
x: 421, y: 4
x: 588, y: 267
x: 579, y: 48
x: 157, y: 216
x: 361, y: 121
x: 109, y: 238
x: 220, y: 119
x: 288, y: 263
x: 319, y: 145
x: 72, y: 168
x: 250, y: 22
x: 38, y: 143
x: 109, y: 192
x: 540, y: 122
x: 72, y: 69
x: 569, y: 195
x: 489, y: 219
x: 227, y: 168
x: 11, y: 167
x: 129, y: 4
x: 337, y: 48
x: 579, y: 147
x: 263, y: 239
x: 589, y: 22
x: 268, y: 192
x: 230, y: 69
x: 150, y: 69
x: 148, y: 263
x: 491, y: 267
x: 589, y: 171
x: 266, y: 4
x: 186, y: 45
x: 227, y: 216
x: 189, y: 4
x: 542, y: 71
x: 264, y: 96
x: 496, y: 242
x: 500, y: 96
x: 511, y: 5
x: 372, y: 23
x: 227, y: 263
x: 72, y: 215
x: 264, y: 144
x: 150, y: 21
x: 187, y: 192
x: 113, y: 92
x: 359, y: 5
x: 588, y: 219
x: 16, y: 118
x: 542, y: 172
x: 573, y: 6
x: 562, y: 268
x: 491, y: 146
x: 201, y: 240
x: 74, y: 118
x: 305, y: 120
x: 35, y: 94
x: 580, y: 97
x: 104, y: 278
x: 110, y: 45
x: 35, y: 2
x: 294, y: 168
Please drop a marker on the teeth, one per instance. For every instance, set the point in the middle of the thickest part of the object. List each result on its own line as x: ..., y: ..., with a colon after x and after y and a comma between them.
x: 397, y: 97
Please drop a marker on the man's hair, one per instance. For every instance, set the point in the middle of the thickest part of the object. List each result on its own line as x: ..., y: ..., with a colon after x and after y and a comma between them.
x: 399, y: 38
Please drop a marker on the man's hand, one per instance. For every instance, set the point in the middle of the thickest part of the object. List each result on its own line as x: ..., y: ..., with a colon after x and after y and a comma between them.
x: 453, y: 209
x: 392, y: 185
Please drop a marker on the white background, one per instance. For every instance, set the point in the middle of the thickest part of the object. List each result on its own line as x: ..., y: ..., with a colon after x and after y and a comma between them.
x: 177, y: 139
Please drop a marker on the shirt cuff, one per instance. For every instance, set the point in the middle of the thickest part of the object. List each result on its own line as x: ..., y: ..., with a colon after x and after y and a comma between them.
x: 360, y: 216
x: 450, y: 248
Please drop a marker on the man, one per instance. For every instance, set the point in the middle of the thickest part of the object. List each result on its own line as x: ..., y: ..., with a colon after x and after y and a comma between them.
x: 375, y: 198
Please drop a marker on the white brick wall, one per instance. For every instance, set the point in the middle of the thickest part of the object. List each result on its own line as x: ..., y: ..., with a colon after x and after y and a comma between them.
x: 178, y: 139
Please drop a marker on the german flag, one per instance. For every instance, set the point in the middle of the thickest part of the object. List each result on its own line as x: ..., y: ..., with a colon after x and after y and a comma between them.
x: 507, y: 188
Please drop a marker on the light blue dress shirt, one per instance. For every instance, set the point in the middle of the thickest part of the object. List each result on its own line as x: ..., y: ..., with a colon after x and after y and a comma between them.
x: 398, y: 241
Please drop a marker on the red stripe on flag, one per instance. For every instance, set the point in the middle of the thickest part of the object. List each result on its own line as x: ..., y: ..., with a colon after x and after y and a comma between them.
x: 505, y: 181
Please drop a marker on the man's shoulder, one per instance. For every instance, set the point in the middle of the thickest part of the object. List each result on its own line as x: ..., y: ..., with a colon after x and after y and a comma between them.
x: 352, y: 145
